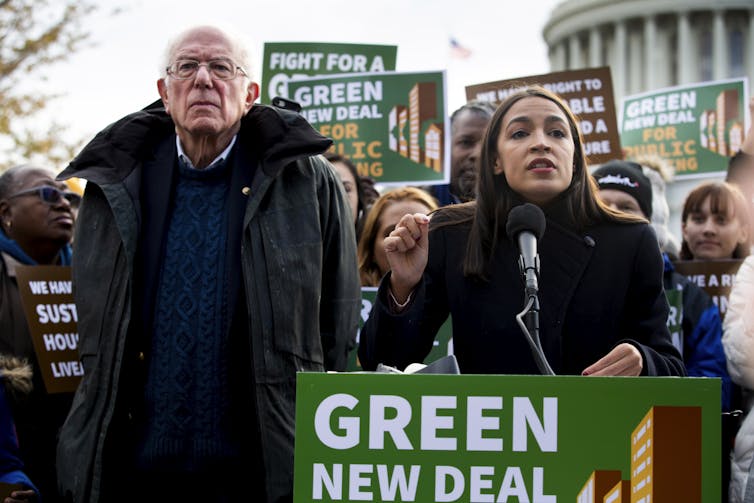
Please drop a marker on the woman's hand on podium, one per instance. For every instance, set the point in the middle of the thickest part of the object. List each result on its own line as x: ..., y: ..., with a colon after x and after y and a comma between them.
x: 623, y: 360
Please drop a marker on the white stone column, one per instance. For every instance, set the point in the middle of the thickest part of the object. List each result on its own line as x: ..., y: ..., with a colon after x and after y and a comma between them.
x: 575, y: 53
x: 559, y: 57
x: 650, y: 52
x: 686, y: 67
x: 749, y: 54
x: 636, y: 65
x: 595, y: 47
x: 720, y: 54
x: 619, y: 58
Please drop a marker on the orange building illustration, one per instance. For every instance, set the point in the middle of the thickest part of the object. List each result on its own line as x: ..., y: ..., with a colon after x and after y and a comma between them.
x: 620, y: 493
x: 666, y: 456
x: 422, y: 107
x: 397, y: 120
x: 433, y: 146
x: 598, y: 485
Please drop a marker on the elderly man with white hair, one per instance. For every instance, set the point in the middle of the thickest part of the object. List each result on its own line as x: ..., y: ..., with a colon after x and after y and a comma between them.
x: 215, y: 259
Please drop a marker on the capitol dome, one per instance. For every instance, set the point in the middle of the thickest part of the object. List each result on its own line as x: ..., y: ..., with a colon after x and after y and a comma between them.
x: 651, y: 44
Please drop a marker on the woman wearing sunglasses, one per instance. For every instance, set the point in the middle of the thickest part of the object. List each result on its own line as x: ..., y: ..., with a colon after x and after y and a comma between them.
x: 36, y: 225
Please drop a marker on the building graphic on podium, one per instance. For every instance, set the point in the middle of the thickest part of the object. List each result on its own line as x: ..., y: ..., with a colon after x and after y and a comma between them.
x: 665, y: 465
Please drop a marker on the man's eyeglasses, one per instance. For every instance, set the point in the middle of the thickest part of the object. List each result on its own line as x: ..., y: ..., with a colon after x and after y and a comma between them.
x: 49, y: 195
x: 220, y: 69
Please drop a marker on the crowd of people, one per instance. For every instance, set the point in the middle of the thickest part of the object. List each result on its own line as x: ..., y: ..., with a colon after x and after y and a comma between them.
x: 220, y: 248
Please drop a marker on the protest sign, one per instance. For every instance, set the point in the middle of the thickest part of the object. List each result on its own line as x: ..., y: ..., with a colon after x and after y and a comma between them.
x: 696, y: 127
x: 460, y: 438
x: 283, y: 61
x: 589, y: 94
x: 716, y: 277
x: 47, y: 297
x: 442, y: 346
x: 391, y: 125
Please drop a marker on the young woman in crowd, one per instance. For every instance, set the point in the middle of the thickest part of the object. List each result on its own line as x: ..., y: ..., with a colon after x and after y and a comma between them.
x: 602, y: 305
x: 715, y: 223
x: 380, y: 222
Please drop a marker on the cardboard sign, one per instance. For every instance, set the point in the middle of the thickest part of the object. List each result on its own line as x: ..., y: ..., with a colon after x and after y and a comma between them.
x: 544, y: 439
x: 589, y: 94
x: 696, y: 127
x: 283, y: 61
x: 47, y: 296
x: 716, y: 277
x: 392, y: 126
x: 442, y: 346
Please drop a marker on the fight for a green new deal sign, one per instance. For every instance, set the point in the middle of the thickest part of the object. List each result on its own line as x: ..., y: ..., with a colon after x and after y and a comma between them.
x: 697, y: 127
x: 495, y: 438
x: 283, y: 61
x: 391, y: 125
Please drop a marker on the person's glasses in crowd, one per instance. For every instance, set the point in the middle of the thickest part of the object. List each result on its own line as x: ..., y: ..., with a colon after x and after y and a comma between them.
x: 220, y: 69
x: 49, y: 195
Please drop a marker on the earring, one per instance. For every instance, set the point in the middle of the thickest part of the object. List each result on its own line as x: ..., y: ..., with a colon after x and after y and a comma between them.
x: 8, y: 224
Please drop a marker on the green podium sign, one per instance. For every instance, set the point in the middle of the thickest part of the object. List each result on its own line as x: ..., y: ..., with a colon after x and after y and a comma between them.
x: 496, y: 438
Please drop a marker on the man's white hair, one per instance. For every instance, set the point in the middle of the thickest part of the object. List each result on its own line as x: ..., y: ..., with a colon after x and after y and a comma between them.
x: 237, y: 46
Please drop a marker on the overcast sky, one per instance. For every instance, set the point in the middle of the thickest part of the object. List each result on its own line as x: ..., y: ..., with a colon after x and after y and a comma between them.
x: 117, y: 75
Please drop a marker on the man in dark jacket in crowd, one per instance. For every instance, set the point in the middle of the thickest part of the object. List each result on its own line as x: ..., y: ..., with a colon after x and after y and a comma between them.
x: 214, y: 261
x: 467, y: 126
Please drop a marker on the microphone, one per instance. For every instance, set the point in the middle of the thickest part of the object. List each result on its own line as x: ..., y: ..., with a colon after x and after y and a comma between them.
x: 526, y: 226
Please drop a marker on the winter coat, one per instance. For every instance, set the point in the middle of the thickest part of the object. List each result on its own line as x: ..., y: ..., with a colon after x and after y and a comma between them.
x: 738, y: 341
x: 701, y: 331
x: 597, y: 289
x: 298, y: 272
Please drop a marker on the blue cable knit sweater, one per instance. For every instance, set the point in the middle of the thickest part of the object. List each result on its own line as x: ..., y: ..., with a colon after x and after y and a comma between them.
x: 187, y: 397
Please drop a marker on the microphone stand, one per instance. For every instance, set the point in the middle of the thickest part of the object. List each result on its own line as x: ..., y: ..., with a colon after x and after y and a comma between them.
x: 528, y: 319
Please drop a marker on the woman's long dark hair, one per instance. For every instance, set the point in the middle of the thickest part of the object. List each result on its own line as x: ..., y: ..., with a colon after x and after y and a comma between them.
x: 495, y: 198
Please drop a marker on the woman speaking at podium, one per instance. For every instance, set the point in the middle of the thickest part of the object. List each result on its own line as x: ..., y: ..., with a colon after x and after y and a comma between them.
x: 602, y: 309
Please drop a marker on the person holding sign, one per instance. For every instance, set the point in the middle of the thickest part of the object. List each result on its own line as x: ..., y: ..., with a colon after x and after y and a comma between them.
x: 36, y: 225
x: 602, y: 307
x: 715, y: 223
x: 215, y: 258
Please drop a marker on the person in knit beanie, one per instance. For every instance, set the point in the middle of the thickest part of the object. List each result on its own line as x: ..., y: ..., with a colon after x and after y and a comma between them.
x: 625, y: 186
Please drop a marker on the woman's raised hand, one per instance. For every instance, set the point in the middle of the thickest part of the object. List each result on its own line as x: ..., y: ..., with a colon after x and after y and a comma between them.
x: 407, y: 248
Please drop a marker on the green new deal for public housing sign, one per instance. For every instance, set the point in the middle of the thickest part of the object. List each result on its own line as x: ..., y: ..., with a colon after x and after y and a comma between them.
x: 495, y: 438
x: 697, y: 127
x: 391, y: 125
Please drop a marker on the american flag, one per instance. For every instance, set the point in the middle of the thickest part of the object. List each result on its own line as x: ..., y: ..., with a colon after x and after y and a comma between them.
x: 457, y: 50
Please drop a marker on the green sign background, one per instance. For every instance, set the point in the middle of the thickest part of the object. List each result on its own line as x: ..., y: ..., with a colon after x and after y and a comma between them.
x: 365, y: 140
x: 284, y: 60
x: 647, y: 125
x: 596, y: 417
